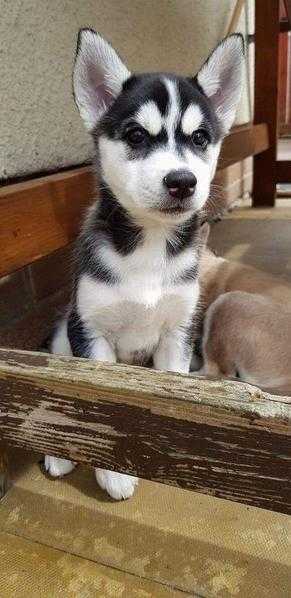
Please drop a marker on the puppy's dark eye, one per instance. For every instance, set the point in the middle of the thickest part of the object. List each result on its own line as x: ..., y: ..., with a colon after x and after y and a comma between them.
x: 200, y: 138
x: 136, y: 136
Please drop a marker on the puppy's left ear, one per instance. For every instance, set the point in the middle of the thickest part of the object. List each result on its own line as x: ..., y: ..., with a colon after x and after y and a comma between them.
x: 98, y: 76
x: 221, y: 78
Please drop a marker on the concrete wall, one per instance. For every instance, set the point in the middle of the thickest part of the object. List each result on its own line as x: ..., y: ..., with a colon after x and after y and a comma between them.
x: 39, y: 125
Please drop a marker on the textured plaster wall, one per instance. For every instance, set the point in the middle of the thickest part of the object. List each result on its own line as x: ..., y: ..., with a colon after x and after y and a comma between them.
x: 39, y: 125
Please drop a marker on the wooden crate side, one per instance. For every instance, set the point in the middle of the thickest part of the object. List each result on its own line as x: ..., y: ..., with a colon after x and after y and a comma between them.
x: 223, y: 438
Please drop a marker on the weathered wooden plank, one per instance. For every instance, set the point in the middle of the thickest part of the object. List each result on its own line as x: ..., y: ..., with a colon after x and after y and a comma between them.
x: 4, y: 474
x: 42, y: 215
x: 223, y: 438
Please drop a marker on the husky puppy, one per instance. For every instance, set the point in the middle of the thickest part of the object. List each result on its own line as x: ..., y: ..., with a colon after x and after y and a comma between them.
x: 157, y: 138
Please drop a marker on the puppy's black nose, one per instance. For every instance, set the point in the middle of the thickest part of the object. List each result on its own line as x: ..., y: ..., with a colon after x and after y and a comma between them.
x: 180, y: 183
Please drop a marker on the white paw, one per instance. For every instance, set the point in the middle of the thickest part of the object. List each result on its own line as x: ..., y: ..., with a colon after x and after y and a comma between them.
x: 118, y: 485
x: 57, y: 467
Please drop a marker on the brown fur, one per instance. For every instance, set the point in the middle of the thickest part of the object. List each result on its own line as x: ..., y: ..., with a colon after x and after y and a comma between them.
x: 247, y: 323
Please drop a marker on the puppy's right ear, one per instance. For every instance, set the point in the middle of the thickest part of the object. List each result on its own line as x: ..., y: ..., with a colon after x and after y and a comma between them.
x: 98, y: 76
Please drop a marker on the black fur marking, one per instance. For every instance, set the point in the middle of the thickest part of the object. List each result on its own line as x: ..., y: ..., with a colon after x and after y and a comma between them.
x: 114, y: 224
x: 96, y: 269
x: 136, y: 91
x: 139, y: 89
x: 79, y: 341
x: 111, y: 224
x: 184, y: 236
x: 88, y: 260
x: 190, y: 92
x: 188, y: 338
x: 189, y: 275
x: 197, y: 347
x: 150, y: 144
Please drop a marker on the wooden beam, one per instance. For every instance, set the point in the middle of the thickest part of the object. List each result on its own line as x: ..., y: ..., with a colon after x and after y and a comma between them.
x: 266, y: 97
x: 4, y: 477
x: 42, y: 215
x: 243, y: 141
x: 223, y: 438
x: 283, y: 168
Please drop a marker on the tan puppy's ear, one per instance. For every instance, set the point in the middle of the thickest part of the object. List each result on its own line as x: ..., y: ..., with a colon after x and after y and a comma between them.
x: 204, y: 233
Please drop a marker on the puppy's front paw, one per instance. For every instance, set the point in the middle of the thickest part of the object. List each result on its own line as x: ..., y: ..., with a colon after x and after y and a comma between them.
x: 57, y: 467
x: 118, y: 485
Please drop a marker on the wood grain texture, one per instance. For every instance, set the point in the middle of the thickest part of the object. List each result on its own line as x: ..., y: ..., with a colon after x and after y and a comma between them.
x: 243, y: 141
x: 40, y: 216
x: 223, y: 438
x: 4, y: 473
x: 37, y: 323
x: 266, y: 97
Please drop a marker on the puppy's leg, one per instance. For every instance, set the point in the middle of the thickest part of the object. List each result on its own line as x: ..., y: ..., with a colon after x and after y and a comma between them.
x: 222, y: 334
x: 173, y: 353
x: 60, y: 346
x: 118, y: 485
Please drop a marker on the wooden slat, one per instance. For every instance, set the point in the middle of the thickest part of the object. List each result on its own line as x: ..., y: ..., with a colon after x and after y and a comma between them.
x: 266, y: 97
x: 283, y: 168
x: 4, y: 477
x: 222, y: 438
x: 40, y: 216
x: 243, y: 141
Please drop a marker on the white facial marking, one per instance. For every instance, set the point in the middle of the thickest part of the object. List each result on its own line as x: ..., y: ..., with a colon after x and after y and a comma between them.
x: 192, y: 119
x: 150, y: 117
x: 138, y: 184
x: 173, y: 112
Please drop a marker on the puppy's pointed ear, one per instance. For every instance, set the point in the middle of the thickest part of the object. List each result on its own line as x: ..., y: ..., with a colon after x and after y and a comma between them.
x: 98, y: 76
x: 221, y: 78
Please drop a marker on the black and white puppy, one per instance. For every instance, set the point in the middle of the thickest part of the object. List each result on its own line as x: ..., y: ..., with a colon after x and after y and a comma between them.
x: 157, y: 138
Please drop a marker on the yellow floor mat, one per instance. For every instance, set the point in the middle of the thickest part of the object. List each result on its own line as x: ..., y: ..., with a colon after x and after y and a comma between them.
x: 29, y: 569
x: 181, y: 540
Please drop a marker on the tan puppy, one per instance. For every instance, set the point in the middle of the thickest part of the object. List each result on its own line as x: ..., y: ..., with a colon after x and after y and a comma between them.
x: 247, y: 323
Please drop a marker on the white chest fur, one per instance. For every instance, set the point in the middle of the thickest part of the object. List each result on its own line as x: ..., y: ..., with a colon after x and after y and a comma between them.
x: 149, y: 300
